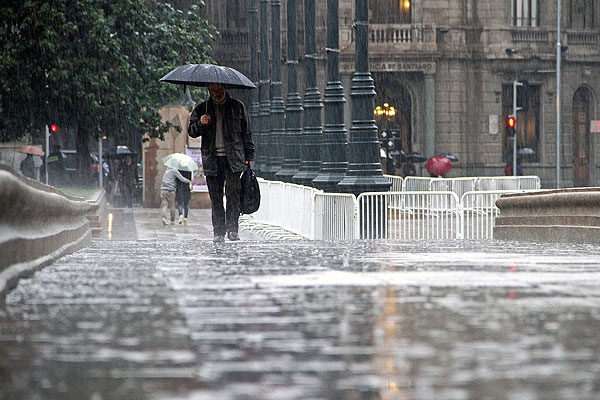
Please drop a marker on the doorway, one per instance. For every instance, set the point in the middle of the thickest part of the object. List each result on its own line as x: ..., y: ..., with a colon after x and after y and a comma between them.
x: 582, y: 101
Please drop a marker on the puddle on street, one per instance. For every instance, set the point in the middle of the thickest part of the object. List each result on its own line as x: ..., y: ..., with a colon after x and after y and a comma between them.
x: 319, y: 320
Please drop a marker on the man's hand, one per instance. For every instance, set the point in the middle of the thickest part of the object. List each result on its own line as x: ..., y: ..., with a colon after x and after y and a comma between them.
x: 249, y: 163
x: 205, y: 119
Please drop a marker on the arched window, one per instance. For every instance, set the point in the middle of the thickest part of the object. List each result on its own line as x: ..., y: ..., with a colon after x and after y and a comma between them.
x: 390, y: 11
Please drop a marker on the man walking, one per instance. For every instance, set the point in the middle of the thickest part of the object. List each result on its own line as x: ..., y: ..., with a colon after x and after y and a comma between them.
x: 227, y: 146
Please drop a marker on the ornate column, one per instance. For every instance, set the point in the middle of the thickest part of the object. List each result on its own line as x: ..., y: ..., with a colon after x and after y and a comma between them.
x: 293, y: 118
x: 263, y: 90
x: 312, y: 135
x: 277, y: 107
x: 254, y: 56
x: 334, y: 157
x: 364, y: 169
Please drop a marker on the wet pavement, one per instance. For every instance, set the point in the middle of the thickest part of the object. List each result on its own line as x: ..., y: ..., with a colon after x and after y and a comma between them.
x: 161, y: 312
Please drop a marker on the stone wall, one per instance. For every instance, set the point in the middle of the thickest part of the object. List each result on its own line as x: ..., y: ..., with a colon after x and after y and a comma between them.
x: 37, y: 225
x: 568, y: 215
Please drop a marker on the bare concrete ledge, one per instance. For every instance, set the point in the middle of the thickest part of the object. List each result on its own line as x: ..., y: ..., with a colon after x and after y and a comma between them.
x: 38, y: 224
x: 564, y: 215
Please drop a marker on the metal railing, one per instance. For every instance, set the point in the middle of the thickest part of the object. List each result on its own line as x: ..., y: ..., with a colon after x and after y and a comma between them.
x: 402, y: 215
x: 335, y: 216
x: 455, y: 212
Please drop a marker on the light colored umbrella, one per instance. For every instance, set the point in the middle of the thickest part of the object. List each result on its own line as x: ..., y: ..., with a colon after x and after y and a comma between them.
x: 180, y: 161
x: 30, y: 149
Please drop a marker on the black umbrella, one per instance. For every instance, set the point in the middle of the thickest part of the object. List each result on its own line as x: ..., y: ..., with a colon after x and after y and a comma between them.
x: 203, y: 74
x: 415, y: 157
x: 449, y: 156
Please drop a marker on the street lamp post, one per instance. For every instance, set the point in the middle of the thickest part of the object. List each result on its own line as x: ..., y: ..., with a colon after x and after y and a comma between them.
x: 335, y: 147
x: 558, y: 62
x: 364, y: 169
x: 254, y: 55
x: 263, y: 90
x: 293, y: 120
x: 312, y: 136
x: 277, y: 106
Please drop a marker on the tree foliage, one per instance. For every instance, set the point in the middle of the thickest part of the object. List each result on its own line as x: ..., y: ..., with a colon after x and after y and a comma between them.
x: 93, y: 65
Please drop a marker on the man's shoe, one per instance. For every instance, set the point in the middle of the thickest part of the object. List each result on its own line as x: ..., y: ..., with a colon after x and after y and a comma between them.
x: 185, y: 222
x: 219, y: 239
x: 233, y: 236
x: 180, y: 219
x: 165, y: 222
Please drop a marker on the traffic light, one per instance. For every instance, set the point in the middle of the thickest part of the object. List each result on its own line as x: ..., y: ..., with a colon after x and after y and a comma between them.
x: 522, y: 95
x: 511, y: 126
x: 53, y: 128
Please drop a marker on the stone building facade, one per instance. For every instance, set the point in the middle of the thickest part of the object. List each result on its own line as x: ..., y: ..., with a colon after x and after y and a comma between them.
x: 447, y: 69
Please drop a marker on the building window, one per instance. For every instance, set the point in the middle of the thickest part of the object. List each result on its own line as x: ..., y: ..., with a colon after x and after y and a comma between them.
x: 581, y: 14
x: 390, y: 11
x: 527, y: 125
x: 525, y: 13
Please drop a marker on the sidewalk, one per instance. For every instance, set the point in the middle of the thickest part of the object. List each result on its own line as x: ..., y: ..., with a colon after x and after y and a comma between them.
x: 145, y: 224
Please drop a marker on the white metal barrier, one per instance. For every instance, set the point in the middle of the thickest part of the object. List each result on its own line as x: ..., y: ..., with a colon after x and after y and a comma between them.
x: 416, y: 184
x: 508, y: 183
x: 406, y: 214
x: 402, y: 215
x: 397, y: 182
x: 287, y: 205
x: 335, y: 216
x: 479, y: 212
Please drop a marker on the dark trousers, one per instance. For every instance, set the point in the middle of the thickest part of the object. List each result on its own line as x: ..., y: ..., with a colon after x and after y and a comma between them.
x: 224, y: 220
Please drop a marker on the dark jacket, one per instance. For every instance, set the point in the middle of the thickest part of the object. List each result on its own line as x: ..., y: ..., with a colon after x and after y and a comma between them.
x: 130, y: 174
x: 237, y: 135
x: 183, y: 193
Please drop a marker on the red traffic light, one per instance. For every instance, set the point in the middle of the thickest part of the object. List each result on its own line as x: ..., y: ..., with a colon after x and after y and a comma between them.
x: 511, y: 122
x: 53, y: 128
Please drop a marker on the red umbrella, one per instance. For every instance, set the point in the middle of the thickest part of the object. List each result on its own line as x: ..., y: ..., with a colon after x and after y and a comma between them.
x: 438, y: 165
x: 30, y: 149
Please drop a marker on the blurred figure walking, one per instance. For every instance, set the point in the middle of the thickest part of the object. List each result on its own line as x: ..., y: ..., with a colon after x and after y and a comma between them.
x: 167, y: 194
x: 182, y: 196
x: 129, y: 182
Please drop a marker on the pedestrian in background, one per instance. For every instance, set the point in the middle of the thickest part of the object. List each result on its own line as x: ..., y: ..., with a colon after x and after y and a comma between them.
x: 167, y: 194
x: 182, y: 196
x: 130, y: 178
x: 28, y: 167
x: 115, y: 176
x: 227, y: 146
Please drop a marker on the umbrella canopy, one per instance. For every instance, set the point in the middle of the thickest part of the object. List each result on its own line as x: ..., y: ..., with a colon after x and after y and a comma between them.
x: 415, y: 157
x: 120, y: 151
x: 203, y: 74
x: 449, y: 156
x: 31, y: 149
x: 438, y: 165
x: 180, y: 161
x: 525, y: 151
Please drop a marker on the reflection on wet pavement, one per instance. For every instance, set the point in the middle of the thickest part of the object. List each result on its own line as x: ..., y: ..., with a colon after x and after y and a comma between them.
x: 189, y: 319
